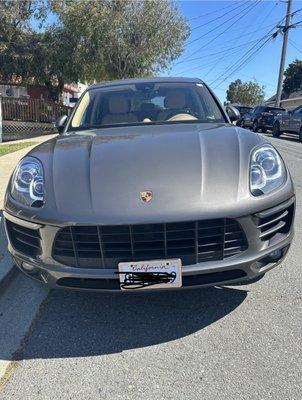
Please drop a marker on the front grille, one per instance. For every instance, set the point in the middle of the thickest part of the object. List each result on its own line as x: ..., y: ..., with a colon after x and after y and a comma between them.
x: 106, y: 246
x: 274, y: 224
x: 24, y: 240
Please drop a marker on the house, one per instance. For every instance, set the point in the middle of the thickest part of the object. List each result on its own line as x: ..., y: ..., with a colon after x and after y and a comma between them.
x: 288, y: 102
x: 71, y: 92
x: 40, y: 92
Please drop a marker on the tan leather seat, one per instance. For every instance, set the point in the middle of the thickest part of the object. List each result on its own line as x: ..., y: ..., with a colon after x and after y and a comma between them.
x: 175, y: 102
x: 118, y: 107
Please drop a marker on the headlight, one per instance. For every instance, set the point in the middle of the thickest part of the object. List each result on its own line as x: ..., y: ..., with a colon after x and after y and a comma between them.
x: 28, y: 182
x: 267, y: 171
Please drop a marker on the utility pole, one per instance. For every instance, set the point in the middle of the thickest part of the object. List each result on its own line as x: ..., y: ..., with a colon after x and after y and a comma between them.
x: 283, y: 53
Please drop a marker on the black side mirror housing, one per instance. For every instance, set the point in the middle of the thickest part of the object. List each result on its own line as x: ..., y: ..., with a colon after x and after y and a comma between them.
x: 233, y: 113
x: 61, y: 123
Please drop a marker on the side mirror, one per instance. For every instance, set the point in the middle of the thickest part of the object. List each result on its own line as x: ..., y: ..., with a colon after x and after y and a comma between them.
x: 233, y: 113
x: 61, y: 123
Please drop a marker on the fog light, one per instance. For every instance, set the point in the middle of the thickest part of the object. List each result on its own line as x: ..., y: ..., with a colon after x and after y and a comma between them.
x: 256, y: 266
x: 275, y: 255
x: 28, y: 267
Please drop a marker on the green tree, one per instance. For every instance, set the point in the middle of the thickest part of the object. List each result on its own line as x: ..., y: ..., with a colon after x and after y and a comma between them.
x: 245, y: 93
x: 15, y: 35
x: 90, y: 40
x: 123, y: 38
x: 293, y: 77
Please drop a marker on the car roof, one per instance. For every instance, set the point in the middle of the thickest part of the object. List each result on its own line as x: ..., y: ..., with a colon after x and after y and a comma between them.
x: 144, y: 80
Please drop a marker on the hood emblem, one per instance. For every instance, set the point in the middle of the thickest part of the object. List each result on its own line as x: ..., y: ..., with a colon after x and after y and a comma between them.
x: 146, y: 196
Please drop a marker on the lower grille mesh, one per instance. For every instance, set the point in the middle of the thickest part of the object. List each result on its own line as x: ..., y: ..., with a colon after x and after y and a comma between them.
x: 272, y: 224
x: 106, y: 246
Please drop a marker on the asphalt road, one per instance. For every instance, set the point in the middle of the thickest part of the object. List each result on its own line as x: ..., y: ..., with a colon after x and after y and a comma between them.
x: 242, y: 342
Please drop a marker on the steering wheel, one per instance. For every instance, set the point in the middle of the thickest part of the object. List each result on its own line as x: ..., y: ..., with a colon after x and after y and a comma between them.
x: 182, y: 117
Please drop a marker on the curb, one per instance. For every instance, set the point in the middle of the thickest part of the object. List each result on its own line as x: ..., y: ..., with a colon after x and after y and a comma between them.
x: 7, y: 265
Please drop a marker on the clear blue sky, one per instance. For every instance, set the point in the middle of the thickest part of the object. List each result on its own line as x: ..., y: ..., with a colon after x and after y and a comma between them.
x: 254, y: 20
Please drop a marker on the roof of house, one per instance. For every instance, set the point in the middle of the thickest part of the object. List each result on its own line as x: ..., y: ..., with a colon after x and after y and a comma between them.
x: 294, y: 95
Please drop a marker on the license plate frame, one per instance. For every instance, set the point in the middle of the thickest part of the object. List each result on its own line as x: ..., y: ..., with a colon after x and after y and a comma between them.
x: 143, y: 275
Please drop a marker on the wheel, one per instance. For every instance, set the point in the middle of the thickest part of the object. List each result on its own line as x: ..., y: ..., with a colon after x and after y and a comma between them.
x: 300, y: 134
x: 263, y: 130
x: 276, y: 130
x: 255, y: 126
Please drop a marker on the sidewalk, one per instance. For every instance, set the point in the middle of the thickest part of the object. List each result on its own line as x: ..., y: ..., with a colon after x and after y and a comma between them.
x: 9, y: 161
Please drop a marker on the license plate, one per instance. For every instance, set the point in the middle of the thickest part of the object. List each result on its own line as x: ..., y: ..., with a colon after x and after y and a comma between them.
x: 155, y: 274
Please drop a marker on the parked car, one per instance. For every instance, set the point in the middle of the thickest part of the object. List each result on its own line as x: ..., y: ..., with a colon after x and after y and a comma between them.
x: 242, y: 110
x: 290, y: 121
x: 261, y: 118
x: 174, y: 196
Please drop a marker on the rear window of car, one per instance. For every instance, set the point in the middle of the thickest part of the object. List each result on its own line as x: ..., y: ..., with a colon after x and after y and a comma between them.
x: 145, y: 103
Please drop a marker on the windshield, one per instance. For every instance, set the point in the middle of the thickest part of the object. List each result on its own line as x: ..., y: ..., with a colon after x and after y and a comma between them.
x: 145, y: 103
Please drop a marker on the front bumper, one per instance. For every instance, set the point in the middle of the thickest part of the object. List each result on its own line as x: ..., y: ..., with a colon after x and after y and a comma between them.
x: 259, y: 257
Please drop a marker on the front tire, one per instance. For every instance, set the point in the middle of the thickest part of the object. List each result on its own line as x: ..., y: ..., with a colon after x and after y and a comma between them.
x: 300, y: 134
x: 276, y: 130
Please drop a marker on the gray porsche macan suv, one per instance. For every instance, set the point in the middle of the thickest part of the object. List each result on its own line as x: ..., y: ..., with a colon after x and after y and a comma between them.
x: 149, y: 186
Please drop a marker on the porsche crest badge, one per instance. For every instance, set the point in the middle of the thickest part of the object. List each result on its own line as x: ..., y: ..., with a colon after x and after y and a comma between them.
x: 146, y: 196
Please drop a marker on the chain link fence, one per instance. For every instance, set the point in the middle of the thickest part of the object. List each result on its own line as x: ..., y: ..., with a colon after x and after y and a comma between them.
x: 25, y: 118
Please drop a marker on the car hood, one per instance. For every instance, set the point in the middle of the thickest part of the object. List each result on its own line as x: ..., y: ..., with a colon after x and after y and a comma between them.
x: 193, y: 170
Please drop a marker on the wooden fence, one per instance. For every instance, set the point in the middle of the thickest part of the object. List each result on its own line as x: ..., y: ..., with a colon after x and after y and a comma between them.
x: 31, y: 110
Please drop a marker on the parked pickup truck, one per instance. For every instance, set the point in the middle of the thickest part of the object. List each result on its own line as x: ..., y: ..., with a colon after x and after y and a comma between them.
x: 290, y: 121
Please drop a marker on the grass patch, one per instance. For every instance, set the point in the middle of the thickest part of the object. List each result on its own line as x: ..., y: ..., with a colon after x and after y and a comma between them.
x: 11, y: 147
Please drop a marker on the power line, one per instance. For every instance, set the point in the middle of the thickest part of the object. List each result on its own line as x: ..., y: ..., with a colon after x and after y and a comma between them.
x: 221, y: 16
x: 242, y: 58
x: 220, y: 52
x: 294, y: 45
x: 244, y: 62
x: 258, y: 40
x: 249, y: 7
x: 233, y: 39
x: 269, y: 36
x: 221, y: 33
x: 210, y: 13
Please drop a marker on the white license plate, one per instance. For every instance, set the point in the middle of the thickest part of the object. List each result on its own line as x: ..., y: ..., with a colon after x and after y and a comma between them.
x: 155, y: 274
